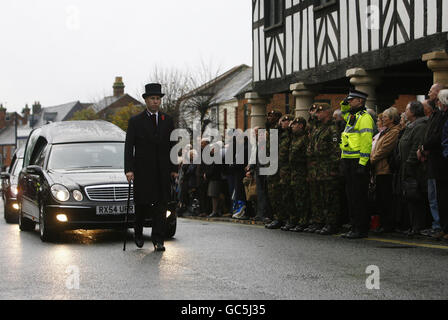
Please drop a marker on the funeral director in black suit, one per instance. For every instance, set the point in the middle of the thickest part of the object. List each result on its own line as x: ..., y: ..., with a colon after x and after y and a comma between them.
x: 148, y: 165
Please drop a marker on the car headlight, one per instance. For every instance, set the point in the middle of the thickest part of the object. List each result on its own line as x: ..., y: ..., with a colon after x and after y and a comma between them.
x: 168, y: 214
x: 60, y: 192
x: 14, y: 190
x: 77, y: 195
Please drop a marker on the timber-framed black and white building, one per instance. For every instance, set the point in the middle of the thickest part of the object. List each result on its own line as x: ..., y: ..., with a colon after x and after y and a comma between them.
x: 385, y: 47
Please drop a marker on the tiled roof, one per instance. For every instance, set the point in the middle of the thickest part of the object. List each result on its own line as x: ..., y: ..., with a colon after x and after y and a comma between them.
x: 55, y: 113
x: 238, y: 82
x: 104, y: 103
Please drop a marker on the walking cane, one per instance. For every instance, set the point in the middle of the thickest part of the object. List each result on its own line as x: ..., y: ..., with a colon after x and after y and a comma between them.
x: 126, y: 218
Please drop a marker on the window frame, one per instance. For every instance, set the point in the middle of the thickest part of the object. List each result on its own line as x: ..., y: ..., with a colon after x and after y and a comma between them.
x: 320, y: 6
x: 267, y: 14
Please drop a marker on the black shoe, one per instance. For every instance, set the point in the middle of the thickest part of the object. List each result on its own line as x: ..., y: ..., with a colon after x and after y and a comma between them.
x: 356, y: 235
x: 320, y: 229
x: 412, y: 233
x: 288, y: 227
x: 298, y: 229
x: 329, y: 230
x: 313, y: 228
x: 159, y: 247
x: 310, y: 229
x: 378, y: 230
x: 274, y: 225
x: 214, y: 215
x: 267, y: 220
x: 139, y: 241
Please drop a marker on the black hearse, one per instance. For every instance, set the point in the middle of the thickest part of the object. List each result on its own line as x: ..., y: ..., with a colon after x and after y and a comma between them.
x: 9, y: 187
x: 73, y: 178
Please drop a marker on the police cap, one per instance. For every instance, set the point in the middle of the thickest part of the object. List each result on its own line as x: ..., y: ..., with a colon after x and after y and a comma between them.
x: 357, y: 94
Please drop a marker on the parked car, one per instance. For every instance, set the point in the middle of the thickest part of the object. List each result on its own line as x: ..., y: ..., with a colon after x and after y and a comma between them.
x: 73, y: 178
x: 9, y: 187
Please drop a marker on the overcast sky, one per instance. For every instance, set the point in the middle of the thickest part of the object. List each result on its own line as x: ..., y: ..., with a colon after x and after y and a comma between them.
x: 58, y: 51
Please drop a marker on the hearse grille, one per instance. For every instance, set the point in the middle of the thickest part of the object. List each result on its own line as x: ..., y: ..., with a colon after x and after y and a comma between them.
x: 109, y: 192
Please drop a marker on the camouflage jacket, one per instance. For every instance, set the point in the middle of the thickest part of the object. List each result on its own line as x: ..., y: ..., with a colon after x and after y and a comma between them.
x: 297, y: 156
x: 313, y: 124
x: 284, y: 142
x: 323, y: 152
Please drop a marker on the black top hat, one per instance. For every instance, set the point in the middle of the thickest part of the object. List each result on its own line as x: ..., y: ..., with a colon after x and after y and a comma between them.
x: 153, y: 89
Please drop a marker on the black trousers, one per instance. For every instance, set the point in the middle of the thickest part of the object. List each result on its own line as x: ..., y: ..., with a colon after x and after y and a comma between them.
x: 357, y: 188
x: 158, y: 214
x: 263, y: 205
x: 204, y: 201
x: 442, y: 199
x: 384, y: 197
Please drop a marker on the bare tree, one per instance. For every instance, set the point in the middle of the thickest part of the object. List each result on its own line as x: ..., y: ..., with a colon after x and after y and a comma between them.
x: 196, y: 104
x: 182, y: 99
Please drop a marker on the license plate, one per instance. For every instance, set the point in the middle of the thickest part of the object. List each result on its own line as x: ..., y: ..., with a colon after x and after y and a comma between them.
x: 112, y: 210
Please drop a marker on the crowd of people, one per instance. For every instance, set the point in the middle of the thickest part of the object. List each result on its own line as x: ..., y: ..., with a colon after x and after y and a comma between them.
x: 348, y: 169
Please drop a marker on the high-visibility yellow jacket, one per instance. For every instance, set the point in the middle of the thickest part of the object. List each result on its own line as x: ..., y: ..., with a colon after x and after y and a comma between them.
x: 357, y: 137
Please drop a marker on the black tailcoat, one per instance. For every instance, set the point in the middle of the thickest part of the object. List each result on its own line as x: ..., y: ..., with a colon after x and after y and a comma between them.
x: 147, y: 154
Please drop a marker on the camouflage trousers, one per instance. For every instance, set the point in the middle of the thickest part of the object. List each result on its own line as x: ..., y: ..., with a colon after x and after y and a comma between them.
x: 279, y: 196
x: 325, y: 202
x: 300, y: 214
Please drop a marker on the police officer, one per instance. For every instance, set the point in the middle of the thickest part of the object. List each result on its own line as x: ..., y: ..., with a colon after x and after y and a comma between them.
x: 278, y: 185
x: 299, y: 214
x: 323, y: 166
x: 356, y: 146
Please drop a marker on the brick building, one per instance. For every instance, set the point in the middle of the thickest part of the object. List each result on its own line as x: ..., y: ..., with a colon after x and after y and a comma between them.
x: 13, y: 133
x: 111, y: 104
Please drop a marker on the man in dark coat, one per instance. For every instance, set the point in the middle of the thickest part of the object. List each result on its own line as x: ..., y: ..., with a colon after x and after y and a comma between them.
x: 148, y: 165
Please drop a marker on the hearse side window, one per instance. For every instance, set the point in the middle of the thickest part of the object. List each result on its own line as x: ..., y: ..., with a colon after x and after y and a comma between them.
x: 13, y: 160
x: 40, y: 159
x: 17, y: 167
x: 38, y: 151
x: 30, y: 147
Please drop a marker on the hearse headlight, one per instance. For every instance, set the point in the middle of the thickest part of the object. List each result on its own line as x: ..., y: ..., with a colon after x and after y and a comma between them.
x: 77, y: 195
x: 14, y: 190
x: 60, y: 192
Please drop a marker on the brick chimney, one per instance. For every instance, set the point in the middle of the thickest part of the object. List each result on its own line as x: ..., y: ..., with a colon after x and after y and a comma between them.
x: 26, y: 114
x: 118, y: 87
x: 37, y: 108
x: 2, y: 116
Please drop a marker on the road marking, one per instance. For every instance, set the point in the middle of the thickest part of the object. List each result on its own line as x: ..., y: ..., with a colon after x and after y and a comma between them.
x: 424, y: 245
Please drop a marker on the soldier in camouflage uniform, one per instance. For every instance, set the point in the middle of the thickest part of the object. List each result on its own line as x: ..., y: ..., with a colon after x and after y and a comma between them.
x: 299, y: 214
x: 313, y: 122
x: 278, y: 184
x: 324, y: 174
x: 272, y: 122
